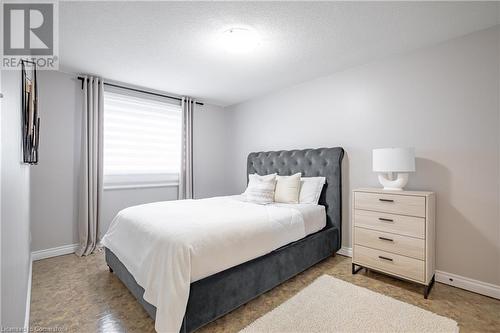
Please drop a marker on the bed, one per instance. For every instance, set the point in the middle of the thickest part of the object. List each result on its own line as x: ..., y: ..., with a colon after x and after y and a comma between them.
x: 212, y: 296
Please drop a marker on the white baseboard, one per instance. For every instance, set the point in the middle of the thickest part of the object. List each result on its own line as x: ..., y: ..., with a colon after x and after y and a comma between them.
x: 54, y: 252
x: 469, y: 284
x: 453, y: 280
x: 28, y: 298
x: 345, y: 251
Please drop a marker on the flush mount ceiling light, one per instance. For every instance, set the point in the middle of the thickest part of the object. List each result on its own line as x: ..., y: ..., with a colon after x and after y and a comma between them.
x: 240, y: 40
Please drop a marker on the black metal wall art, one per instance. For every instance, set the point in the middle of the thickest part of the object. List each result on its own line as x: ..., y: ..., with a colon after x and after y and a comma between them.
x: 30, y: 115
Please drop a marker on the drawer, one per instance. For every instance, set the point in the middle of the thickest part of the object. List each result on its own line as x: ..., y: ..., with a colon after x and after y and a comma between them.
x: 403, y: 245
x: 389, y: 262
x: 397, y: 224
x: 390, y: 203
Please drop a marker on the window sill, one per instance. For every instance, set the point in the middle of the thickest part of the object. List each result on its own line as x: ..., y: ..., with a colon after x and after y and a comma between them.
x: 113, y: 187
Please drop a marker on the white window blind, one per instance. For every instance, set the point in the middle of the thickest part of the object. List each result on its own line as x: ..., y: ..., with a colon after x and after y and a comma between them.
x: 142, y: 141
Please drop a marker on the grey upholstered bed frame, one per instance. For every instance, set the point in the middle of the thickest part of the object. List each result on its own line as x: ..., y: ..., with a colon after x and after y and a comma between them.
x: 218, y: 294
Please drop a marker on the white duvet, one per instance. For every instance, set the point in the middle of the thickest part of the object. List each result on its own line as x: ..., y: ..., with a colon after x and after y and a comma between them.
x: 167, y: 245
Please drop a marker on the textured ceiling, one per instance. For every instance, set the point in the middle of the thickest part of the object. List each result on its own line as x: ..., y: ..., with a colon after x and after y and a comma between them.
x: 172, y: 46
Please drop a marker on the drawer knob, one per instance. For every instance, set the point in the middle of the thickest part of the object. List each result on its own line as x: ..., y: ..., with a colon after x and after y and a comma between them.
x: 386, y: 200
x: 385, y: 258
x: 386, y: 220
x: 386, y: 239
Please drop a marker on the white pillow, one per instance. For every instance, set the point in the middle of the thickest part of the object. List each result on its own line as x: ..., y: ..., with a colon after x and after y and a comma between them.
x: 287, y: 189
x: 260, y: 189
x: 254, y: 176
x: 310, y: 189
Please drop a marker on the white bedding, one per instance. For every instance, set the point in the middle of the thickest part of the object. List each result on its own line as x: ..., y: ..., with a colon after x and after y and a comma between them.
x: 167, y: 245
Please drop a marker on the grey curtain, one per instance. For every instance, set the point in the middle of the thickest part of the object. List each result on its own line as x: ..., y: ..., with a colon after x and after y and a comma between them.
x: 91, y: 165
x: 186, y: 188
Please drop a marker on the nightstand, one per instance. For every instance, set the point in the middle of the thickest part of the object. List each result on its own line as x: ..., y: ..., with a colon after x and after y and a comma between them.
x: 394, y: 233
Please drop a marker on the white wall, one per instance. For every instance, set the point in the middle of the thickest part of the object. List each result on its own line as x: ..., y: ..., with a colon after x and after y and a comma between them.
x: 443, y: 100
x: 15, y: 207
x: 55, y: 179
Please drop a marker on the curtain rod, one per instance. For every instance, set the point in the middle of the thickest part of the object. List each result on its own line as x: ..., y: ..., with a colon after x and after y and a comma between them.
x: 139, y: 90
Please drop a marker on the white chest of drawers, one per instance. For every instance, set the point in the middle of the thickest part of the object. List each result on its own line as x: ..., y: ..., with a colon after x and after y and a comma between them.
x: 394, y: 233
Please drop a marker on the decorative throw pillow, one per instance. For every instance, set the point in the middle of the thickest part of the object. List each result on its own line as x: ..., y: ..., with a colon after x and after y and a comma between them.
x: 287, y: 188
x: 310, y: 189
x: 260, y: 189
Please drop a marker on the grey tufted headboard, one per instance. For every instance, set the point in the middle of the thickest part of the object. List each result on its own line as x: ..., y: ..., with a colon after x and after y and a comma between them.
x: 324, y: 162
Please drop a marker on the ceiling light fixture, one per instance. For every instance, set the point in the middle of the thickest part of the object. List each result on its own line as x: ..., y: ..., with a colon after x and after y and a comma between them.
x: 240, y: 40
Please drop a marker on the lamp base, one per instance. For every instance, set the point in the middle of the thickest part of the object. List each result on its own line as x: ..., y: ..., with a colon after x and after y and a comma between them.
x: 393, y: 185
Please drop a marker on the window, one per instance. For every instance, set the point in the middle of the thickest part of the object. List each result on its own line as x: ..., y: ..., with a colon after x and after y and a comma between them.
x: 142, y: 141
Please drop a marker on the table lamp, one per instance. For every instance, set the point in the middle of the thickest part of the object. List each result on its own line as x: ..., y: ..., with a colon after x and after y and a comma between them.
x: 387, y: 161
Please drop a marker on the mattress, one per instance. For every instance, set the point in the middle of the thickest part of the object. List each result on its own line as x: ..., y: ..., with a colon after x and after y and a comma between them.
x: 168, y: 245
x: 314, y: 216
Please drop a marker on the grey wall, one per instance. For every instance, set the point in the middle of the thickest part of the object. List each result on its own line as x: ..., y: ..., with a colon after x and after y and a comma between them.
x: 54, y: 182
x: 211, y: 139
x: 15, y: 207
x: 442, y: 100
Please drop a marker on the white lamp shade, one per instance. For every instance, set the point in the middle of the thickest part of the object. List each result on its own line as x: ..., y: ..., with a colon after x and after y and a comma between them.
x: 394, y: 160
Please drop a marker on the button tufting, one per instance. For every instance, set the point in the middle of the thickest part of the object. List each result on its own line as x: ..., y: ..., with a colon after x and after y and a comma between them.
x: 310, y: 163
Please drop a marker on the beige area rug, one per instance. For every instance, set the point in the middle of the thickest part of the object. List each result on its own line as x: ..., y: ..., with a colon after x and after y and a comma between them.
x: 332, y: 305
